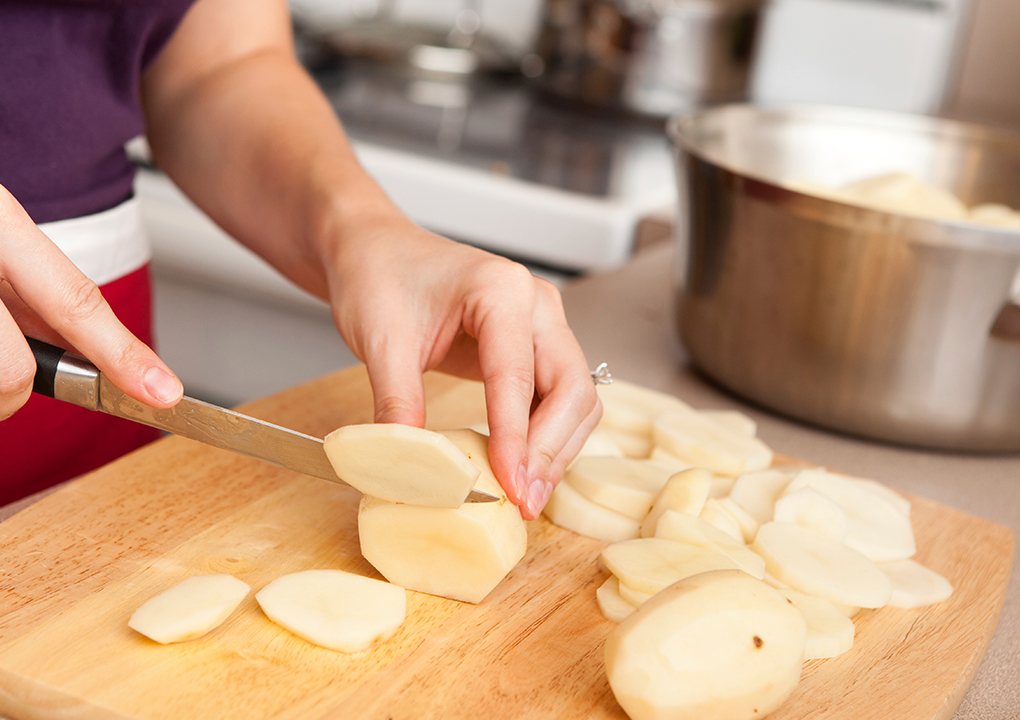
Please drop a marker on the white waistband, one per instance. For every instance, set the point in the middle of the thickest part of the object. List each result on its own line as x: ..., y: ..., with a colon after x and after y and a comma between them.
x: 104, y: 246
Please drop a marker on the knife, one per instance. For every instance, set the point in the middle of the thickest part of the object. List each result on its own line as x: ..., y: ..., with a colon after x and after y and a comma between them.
x: 64, y: 376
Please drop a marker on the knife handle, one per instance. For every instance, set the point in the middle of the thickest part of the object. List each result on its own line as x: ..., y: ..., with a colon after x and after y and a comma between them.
x: 64, y: 376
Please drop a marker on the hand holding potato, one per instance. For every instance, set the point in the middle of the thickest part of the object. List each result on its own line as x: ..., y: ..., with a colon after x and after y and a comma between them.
x: 406, y: 301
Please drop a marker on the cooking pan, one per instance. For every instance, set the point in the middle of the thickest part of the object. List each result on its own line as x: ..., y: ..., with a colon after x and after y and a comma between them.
x: 875, y: 323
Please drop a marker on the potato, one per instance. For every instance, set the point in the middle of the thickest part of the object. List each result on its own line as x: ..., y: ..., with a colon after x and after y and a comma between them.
x: 685, y: 492
x: 757, y: 492
x: 704, y: 442
x: 459, y: 553
x: 680, y: 527
x: 817, y: 564
x: 649, y: 565
x: 735, y: 420
x: 624, y: 485
x: 809, y: 508
x: 875, y: 528
x: 612, y: 605
x: 572, y: 511
x: 914, y: 585
x: 719, y: 645
x: 830, y: 633
x: 189, y: 609
x: 401, y: 464
x: 334, y: 609
x: 715, y: 514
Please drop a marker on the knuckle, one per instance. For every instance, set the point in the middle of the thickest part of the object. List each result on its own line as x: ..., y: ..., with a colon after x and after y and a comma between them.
x: 392, y: 408
x: 83, y: 300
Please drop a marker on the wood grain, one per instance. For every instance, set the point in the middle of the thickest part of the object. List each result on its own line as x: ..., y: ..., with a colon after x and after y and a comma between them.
x: 75, y: 565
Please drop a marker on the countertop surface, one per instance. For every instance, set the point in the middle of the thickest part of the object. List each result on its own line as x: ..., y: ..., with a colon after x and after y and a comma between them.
x: 624, y: 318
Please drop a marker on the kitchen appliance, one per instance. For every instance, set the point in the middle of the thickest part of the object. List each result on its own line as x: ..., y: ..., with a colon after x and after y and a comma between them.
x: 883, y: 325
x: 79, y: 562
x: 650, y: 58
x: 70, y: 378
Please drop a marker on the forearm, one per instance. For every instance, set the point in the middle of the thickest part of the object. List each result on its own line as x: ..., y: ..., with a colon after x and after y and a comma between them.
x: 259, y: 149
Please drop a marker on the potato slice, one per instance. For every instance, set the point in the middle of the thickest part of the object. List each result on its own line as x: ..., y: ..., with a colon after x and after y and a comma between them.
x: 747, y: 524
x: 875, y: 528
x: 600, y: 444
x: 459, y: 553
x: 735, y: 420
x: 757, y: 492
x: 632, y: 596
x: 400, y: 463
x: 914, y: 585
x: 614, y: 608
x: 706, y: 443
x: 714, y: 514
x: 624, y: 485
x: 189, y: 609
x: 630, y: 409
x: 334, y: 609
x: 716, y: 646
x: 572, y: 511
x: 680, y: 527
x: 809, y: 508
x: 816, y: 564
x: 684, y: 492
x: 830, y: 633
x: 650, y: 565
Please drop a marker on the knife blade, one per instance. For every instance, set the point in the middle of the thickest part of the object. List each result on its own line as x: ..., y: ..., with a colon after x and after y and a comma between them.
x: 70, y: 378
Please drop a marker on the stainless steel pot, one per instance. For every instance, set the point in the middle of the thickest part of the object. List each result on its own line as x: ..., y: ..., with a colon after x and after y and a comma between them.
x: 650, y: 57
x: 878, y: 324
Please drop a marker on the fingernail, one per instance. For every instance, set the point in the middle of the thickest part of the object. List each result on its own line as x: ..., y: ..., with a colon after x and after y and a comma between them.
x: 549, y: 487
x: 162, y: 385
x: 537, y: 496
x: 521, y: 482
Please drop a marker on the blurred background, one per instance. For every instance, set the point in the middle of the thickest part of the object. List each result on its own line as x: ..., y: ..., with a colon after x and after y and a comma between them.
x: 535, y: 129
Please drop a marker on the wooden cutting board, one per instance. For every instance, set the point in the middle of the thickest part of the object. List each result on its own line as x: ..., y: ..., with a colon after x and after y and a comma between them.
x: 75, y: 565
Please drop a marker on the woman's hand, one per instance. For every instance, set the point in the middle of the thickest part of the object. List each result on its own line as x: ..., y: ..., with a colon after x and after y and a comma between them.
x: 42, y: 294
x: 244, y: 131
x: 407, y: 301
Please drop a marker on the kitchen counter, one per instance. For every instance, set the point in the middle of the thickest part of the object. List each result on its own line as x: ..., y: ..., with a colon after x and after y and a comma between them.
x: 624, y: 318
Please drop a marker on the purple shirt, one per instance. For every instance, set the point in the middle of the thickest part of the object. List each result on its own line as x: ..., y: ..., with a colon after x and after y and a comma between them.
x: 69, y: 98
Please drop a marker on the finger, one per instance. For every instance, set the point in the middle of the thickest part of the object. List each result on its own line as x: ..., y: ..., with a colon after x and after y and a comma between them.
x: 507, y: 363
x: 568, y: 398
x: 73, y: 306
x: 17, y: 366
x: 395, y: 373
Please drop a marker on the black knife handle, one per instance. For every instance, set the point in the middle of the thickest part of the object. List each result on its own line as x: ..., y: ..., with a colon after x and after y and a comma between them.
x: 47, y: 357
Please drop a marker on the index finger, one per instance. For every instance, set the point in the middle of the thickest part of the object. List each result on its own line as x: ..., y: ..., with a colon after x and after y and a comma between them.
x: 53, y: 288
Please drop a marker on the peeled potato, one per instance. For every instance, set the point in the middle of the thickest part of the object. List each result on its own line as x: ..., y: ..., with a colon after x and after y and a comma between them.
x: 624, y: 485
x: 735, y: 420
x: 648, y: 565
x: 401, y: 464
x: 680, y: 527
x: 830, y: 633
x: 189, y: 609
x: 757, y: 492
x: 334, y: 609
x: 914, y: 585
x: 716, y: 646
x: 875, y: 528
x: 571, y: 510
x: 704, y: 442
x: 630, y: 409
x: 685, y: 492
x: 612, y: 605
x: 817, y: 564
x: 459, y: 553
x: 714, y: 514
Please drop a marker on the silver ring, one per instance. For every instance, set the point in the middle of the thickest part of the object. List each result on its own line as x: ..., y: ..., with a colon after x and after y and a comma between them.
x: 601, y: 375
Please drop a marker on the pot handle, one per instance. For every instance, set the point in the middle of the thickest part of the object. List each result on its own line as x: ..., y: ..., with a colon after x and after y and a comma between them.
x: 1007, y: 323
